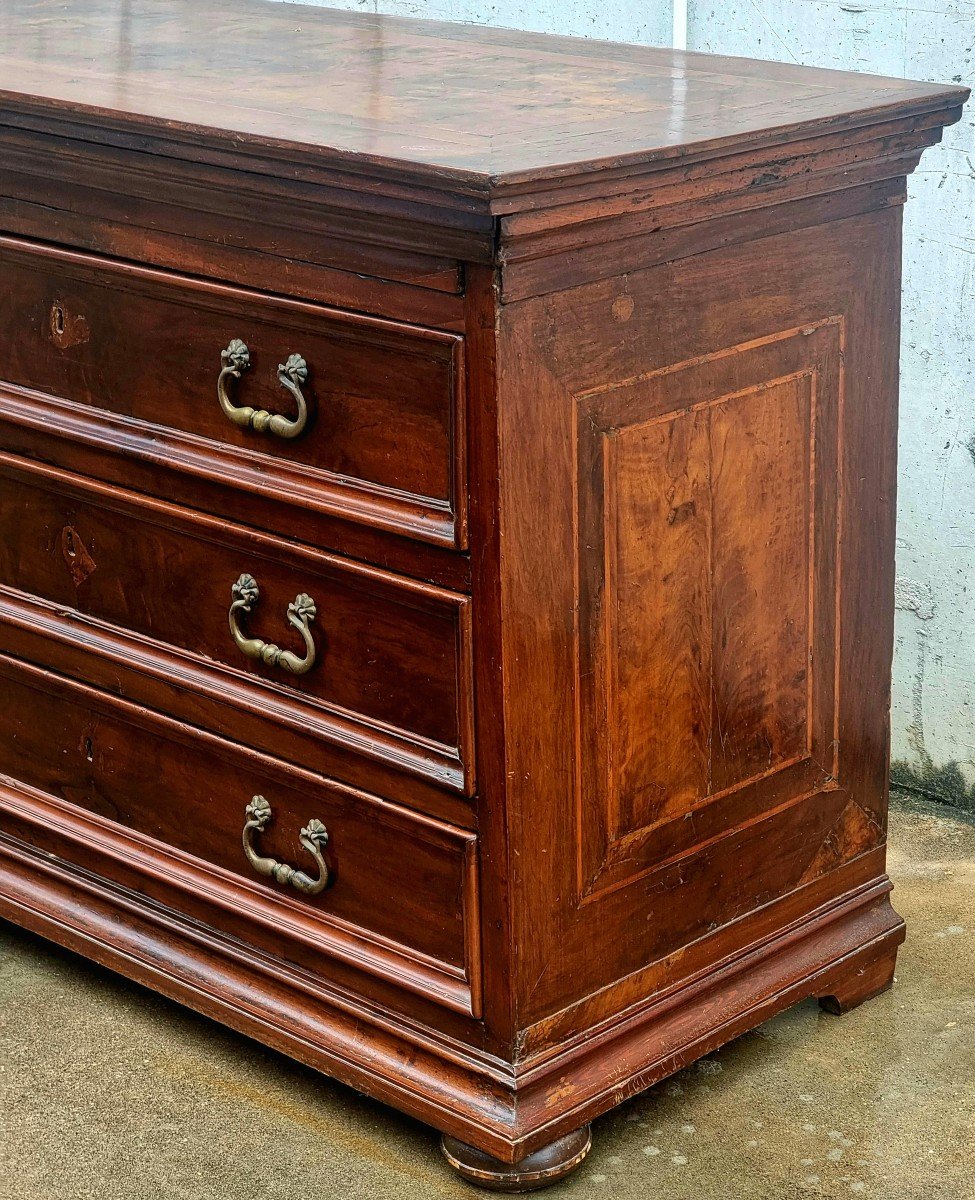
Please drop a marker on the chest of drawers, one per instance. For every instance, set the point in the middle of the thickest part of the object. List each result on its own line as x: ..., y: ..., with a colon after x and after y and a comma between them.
x: 446, y: 541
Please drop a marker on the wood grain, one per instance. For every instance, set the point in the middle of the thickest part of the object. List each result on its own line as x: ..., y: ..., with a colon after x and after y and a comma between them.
x: 65, y: 742
x: 597, y: 504
x: 380, y: 90
x: 402, y: 384
x: 374, y: 146
x: 393, y: 658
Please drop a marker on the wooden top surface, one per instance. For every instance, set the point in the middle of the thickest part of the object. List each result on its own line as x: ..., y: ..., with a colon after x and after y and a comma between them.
x: 457, y: 102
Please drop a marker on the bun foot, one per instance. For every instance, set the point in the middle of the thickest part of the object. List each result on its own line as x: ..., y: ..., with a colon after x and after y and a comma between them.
x: 548, y: 1165
x: 860, y: 982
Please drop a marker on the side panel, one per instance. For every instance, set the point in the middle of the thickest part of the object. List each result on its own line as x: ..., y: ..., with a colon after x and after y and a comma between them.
x: 698, y: 533
x: 706, y: 531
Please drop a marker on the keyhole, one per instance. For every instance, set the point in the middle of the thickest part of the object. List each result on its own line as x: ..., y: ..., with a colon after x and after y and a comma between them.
x: 57, y: 319
x: 88, y: 750
x: 79, y: 562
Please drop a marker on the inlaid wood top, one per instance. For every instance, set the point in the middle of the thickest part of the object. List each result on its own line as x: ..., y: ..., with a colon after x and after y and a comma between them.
x: 470, y: 104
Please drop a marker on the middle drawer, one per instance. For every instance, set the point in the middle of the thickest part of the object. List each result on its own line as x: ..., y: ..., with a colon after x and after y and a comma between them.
x: 375, y: 664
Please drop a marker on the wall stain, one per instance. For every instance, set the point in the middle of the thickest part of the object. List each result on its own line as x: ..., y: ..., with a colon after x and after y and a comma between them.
x: 911, y: 596
x: 946, y: 783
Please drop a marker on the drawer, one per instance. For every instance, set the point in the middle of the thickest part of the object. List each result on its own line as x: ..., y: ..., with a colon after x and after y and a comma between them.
x: 368, y: 661
x: 158, y: 808
x: 307, y: 413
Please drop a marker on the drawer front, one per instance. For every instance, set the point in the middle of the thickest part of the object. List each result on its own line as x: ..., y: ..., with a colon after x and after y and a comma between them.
x: 376, y: 663
x: 168, y: 808
x: 352, y: 417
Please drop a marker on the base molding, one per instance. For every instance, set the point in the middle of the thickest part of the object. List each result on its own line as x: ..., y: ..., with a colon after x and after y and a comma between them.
x: 842, y: 949
x: 865, y: 976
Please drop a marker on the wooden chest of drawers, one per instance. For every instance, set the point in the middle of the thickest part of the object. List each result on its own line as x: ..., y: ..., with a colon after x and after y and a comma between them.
x: 446, y: 541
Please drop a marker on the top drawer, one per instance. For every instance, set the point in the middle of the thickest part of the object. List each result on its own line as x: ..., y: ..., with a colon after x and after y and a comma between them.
x: 144, y: 352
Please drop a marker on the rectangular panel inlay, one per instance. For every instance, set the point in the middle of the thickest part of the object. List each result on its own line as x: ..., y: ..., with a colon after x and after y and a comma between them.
x: 447, y: 521
x: 706, y: 613
x: 709, y: 639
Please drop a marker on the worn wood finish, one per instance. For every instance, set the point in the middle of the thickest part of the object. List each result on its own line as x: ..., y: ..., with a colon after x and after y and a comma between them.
x: 538, y: 1170
x: 69, y: 747
x: 378, y: 108
x: 385, y: 147
x: 807, y: 776
x: 596, y: 504
x: 392, y: 676
x: 861, y: 981
x: 64, y: 315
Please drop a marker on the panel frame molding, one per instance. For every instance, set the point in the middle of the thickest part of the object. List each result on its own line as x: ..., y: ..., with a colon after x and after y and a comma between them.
x: 607, y: 859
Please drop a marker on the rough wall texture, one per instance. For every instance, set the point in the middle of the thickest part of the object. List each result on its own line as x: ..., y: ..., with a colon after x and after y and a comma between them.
x: 934, y: 667
x: 622, y: 21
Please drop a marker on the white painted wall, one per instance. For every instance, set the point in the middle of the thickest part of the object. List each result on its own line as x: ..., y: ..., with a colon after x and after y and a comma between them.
x: 934, y: 662
x: 623, y: 21
x: 934, y: 667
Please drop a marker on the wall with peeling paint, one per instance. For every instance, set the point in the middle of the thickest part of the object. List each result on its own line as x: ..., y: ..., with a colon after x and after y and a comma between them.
x: 934, y: 668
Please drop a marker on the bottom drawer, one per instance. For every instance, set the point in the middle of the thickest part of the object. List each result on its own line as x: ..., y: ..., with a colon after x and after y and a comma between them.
x: 161, y: 808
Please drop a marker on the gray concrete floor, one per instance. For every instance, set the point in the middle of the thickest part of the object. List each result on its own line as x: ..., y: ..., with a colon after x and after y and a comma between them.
x: 109, y: 1091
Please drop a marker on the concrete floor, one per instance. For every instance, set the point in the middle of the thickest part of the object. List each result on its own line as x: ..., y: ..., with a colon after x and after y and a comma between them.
x: 108, y: 1091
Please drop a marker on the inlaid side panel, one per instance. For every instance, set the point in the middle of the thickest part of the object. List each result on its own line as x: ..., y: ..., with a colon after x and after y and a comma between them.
x: 697, y: 531
x: 706, y: 570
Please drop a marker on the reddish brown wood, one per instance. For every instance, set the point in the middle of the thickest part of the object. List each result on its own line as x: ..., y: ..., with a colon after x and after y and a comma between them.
x: 69, y: 748
x: 392, y: 675
x: 66, y: 314
x: 597, y: 506
x: 466, y: 130
x: 859, y: 981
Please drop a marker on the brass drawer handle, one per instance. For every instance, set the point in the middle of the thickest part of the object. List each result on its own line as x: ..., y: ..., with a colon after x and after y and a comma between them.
x: 291, y: 375
x: 313, y: 837
x: 301, y: 612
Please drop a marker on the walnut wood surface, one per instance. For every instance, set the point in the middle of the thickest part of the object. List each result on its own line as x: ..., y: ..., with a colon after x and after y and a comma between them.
x: 403, y: 384
x: 69, y: 747
x: 390, y: 657
x: 597, y: 506
x: 483, y: 104
x: 773, y: 586
x: 860, y: 982
x: 540, y: 1169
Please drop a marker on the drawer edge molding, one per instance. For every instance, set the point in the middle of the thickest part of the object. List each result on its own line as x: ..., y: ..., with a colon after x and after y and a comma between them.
x: 231, y: 467
x: 444, y: 764
x: 373, y: 1049
x: 438, y: 519
x: 461, y: 1094
x: 118, y: 847
x: 126, y: 651
x: 208, y: 527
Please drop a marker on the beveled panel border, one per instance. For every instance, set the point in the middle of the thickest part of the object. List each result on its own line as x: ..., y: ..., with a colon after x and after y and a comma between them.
x: 604, y: 862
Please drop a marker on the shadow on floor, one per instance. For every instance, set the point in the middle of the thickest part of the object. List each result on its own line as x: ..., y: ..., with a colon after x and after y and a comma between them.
x: 109, y: 1091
